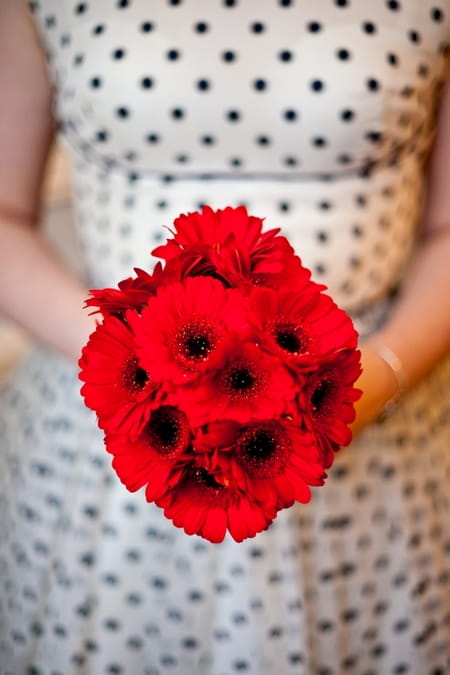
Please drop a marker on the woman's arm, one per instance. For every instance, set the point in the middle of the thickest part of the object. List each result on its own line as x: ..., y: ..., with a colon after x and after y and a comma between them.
x: 418, y: 331
x: 35, y: 289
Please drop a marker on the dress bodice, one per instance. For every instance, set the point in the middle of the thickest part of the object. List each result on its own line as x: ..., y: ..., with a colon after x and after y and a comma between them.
x: 317, y: 116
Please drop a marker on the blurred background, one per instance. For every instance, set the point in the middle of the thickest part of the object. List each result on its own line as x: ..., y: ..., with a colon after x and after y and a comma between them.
x: 57, y: 218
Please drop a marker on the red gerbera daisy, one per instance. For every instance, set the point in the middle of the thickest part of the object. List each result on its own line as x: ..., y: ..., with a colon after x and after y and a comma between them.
x: 293, y: 275
x: 328, y: 400
x: 212, y: 228
x: 272, y: 460
x: 232, y: 242
x: 184, y: 325
x: 150, y: 460
x: 300, y: 327
x: 244, y: 383
x: 278, y: 461
x: 201, y: 505
x: 116, y: 387
x: 133, y: 293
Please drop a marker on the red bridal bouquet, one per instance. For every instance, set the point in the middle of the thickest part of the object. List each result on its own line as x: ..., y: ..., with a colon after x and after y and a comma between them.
x: 223, y: 381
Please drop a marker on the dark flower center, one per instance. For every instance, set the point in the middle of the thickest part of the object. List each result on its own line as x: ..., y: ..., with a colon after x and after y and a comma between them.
x: 207, y: 480
x: 134, y: 377
x: 242, y: 380
x: 291, y: 338
x: 322, y: 397
x: 264, y: 449
x: 261, y: 445
x: 207, y: 490
x: 195, y: 341
x: 167, y: 430
x: 196, y: 347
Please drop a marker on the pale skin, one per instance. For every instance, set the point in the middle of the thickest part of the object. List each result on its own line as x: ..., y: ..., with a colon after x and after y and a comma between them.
x: 47, y: 301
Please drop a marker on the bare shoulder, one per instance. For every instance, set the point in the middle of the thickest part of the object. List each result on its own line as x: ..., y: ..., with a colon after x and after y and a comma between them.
x: 25, y: 113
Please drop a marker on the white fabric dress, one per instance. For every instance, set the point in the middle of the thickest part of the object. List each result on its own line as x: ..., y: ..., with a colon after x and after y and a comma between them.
x: 318, y: 116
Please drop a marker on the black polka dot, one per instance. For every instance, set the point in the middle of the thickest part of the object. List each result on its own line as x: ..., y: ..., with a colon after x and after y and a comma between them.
x: 147, y: 27
x: 374, y: 136
x: 343, y: 54
x: 325, y: 205
x: 233, y: 115
x: 173, y: 54
x: 78, y: 659
x: 392, y: 59
x: 119, y: 54
x: 222, y: 587
x: 372, y: 84
x: 147, y: 82
x: 320, y: 269
x: 257, y: 27
x: 285, y: 56
x: 168, y: 660
x: 325, y: 625
x: 260, y: 84
x: 290, y: 115
x: 229, y: 56
x: 347, y: 115
x: 177, y: 113
x: 122, y: 112
x: 201, y: 27
x: 90, y: 645
x: 319, y: 141
x: 114, y: 669
x: 317, y: 85
x: 239, y: 618
x: 81, y: 8
x: 291, y: 161
x: 314, y: 27
x: 135, y: 642
x: 369, y: 27
x: 344, y: 158
x: 203, y: 85
x: 437, y: 14
x: 207, y: 140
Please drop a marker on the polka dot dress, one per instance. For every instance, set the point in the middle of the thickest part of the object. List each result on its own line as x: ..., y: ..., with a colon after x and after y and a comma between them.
x: 319, y: 117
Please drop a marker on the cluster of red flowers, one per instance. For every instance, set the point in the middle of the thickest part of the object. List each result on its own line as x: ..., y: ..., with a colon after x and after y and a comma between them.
x: 223, y: 380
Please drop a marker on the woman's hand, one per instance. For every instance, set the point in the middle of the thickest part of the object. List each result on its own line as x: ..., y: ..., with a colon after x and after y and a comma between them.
x: 378, y: 384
